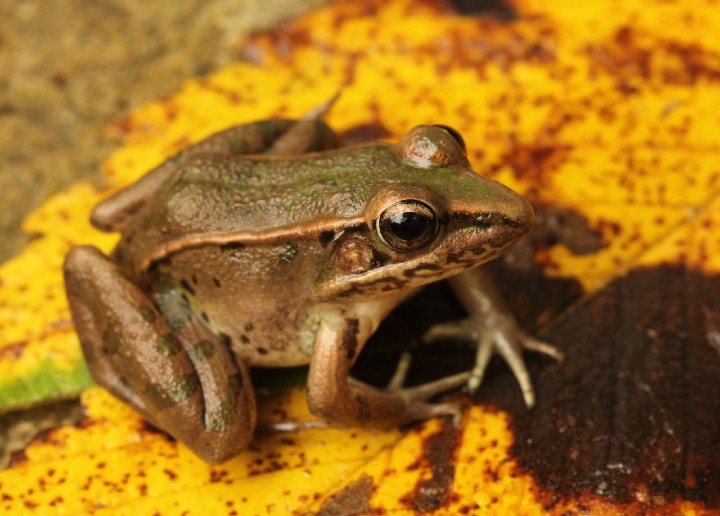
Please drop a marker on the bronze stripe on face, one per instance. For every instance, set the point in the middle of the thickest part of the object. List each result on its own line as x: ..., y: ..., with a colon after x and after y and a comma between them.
x: 483, y: 220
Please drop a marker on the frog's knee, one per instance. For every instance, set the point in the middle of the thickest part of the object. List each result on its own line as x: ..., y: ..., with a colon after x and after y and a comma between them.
x: 212, y: 447
x: 323, y: 403
x: 81, y: 260
x: 219, y: 452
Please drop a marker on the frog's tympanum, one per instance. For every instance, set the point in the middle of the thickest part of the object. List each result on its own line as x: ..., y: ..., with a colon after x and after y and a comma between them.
x: 265, y: 245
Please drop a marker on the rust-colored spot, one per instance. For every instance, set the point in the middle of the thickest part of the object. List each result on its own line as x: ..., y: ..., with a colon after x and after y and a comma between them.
x: 354, y: 499
x: 216, y: 475
x: 17, y: 458
x: 433, y: 493
x: 13, y: 350
x: 536, y: 161
x: 500, y: 9
x: 632, y: 54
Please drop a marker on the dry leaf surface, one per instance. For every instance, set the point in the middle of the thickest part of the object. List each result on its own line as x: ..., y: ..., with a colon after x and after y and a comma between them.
x: 604, y: 114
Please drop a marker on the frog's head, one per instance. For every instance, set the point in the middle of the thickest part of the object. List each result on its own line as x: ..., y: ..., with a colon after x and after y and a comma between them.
x: 434, y: 219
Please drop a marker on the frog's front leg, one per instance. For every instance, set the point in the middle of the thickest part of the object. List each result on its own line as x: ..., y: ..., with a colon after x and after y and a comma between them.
x: 493, y: 327
x: 334, y: 395
x: 184, y: 380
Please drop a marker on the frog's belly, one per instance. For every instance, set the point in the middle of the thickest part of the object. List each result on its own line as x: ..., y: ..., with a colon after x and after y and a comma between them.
x: 253, y: 301
x: 274, y: 350
x: 265, y: 335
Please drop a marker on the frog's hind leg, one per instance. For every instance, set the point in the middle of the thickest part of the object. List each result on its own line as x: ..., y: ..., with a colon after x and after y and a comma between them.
x: 184, y: 380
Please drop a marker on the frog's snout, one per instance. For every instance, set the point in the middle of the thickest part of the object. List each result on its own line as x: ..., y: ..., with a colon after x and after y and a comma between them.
x: 522, y: 214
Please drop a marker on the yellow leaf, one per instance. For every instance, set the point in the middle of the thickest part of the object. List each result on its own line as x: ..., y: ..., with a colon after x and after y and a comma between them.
x: 603, y: 109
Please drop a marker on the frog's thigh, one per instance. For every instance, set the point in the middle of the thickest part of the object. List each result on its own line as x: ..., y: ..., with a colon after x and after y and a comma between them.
x: 195, y: 391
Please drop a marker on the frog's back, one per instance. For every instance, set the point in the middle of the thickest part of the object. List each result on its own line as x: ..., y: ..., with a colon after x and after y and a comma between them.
x: 210, y: 196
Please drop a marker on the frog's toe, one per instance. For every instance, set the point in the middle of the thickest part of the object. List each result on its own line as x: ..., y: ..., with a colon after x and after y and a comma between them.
x: 509, y: 342
x: 509, y: 345
x: 459, y: 330
x: 539, y: 346
x: 425, y: 391
x: 495, y: 335
x: 401, y: 371
x: 485, y: 350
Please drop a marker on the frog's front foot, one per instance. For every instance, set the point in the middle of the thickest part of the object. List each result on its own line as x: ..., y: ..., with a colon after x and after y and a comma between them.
x: 417, y: 397
x: 496, y: 334
x: 335, y: 396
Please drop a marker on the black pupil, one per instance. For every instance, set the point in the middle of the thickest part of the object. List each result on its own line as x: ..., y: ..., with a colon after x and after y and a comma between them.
x: 408, y: 225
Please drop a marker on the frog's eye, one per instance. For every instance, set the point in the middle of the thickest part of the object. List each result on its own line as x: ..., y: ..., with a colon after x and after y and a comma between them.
x: 455, y: 135
x: 407, y: 225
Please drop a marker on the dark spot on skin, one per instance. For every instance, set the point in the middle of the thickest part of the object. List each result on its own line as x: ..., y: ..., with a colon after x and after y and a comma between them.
x: 349, y: 338
x: 216, y: 282
x: 194, y: 279
x: 326, y: 237
x: 249, y: 326
x: 147, y: 313
x: 202, y: 350
x: 169, y: 345
x: 224, y: 418
x: 227, y: 340
x: 112, y: 340
x: 205, y: 317
x: 262, y: 351
x: 163, y: 397
x: 353, y: 499
x: 244, y: 339
x: 184, y: 284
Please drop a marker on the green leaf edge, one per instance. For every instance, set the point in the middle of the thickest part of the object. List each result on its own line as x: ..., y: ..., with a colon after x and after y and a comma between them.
x: 46, y: 383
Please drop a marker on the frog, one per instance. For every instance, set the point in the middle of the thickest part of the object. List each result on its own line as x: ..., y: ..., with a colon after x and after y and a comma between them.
x: 270, y: 245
